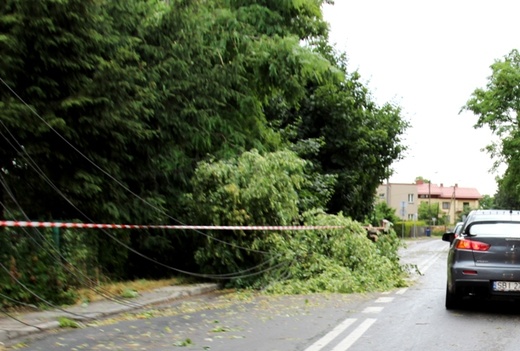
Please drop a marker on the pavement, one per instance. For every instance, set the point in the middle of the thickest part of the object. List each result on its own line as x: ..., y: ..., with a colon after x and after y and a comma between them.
x: 16, y: 326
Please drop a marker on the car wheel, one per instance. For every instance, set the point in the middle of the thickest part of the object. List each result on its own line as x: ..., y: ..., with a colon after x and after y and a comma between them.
x: 452, y: 299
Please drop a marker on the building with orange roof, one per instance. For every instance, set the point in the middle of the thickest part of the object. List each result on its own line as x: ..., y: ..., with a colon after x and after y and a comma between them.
x: 406, y: 198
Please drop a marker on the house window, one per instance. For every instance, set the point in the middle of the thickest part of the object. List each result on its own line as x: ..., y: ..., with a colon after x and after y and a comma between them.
x: 382, y: 195
x: 410, y: 217
x: 410, y: 198
x: 445, y: 205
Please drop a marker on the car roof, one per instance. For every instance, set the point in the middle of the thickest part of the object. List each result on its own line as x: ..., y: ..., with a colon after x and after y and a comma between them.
x: 493, y: 215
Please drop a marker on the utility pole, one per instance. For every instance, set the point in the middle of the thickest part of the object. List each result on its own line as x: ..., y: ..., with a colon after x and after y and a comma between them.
x: 429, y: 202
x: 429, y: 208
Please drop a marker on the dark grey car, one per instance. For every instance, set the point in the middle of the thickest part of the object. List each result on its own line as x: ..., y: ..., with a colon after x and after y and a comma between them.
x: 484, y: 259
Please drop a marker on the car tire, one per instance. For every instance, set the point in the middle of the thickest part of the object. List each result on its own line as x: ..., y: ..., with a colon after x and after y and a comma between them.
x: 452, y: 300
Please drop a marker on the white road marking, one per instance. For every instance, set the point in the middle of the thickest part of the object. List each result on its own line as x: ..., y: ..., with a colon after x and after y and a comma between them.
x: 351, y: 338
x: 373, y: 309
x: 356, y: 334
x: 327, y: 338
x: 384, y: 299
x: 363, y: 327
x: 428, y: 263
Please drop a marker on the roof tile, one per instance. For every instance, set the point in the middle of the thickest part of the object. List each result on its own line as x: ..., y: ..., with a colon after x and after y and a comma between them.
x: 448, y: 191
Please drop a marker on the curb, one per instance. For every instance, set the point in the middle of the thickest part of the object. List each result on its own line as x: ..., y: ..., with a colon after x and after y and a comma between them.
x: 10, y: 333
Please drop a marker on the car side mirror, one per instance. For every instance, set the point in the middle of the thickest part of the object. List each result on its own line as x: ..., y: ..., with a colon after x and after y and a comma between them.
x: 449, y: 237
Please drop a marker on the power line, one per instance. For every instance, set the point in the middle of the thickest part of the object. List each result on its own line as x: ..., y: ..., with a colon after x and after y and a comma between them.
x: 42, y: 174
x: 32, y: 164
x: 35, y: 294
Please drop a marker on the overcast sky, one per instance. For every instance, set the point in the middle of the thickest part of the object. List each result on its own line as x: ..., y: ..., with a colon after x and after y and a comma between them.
x: 428, y: 57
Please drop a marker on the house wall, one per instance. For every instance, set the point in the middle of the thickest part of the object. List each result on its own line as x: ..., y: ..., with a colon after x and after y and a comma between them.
x: 395, y: 194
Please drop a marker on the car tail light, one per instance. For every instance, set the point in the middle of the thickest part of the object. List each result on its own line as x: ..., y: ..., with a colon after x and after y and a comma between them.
x: 465, y: 244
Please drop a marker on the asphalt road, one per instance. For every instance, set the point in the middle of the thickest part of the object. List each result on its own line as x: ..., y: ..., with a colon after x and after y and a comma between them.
x: 412, y: 318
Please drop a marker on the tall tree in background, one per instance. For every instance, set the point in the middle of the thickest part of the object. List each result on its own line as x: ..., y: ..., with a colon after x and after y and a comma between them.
x: 358, y: 140
x: 497, y: 107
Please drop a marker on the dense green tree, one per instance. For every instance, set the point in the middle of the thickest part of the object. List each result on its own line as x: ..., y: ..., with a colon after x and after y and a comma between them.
x: 107, y: 108
x: 487, y: 202
x: 427, y: 212
x: 215, y: 65
x: 257, y: 189
x: 252, y: 190
x: 497, y: 106
x: 73, y: 112
x: 383, y: 211
x: 358, y: 140
x: 301, y: 18
x: 421, y: 179
x: 75, y: 105
x: 464, y: 213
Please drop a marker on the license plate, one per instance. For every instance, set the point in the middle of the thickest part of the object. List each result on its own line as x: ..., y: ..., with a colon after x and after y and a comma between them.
x: 506, y: 286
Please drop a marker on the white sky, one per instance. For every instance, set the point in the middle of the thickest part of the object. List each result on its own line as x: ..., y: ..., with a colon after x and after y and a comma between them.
x: 428, y: 57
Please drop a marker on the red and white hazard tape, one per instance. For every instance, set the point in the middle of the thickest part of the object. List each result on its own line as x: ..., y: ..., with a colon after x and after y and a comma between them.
x: 138, y: 226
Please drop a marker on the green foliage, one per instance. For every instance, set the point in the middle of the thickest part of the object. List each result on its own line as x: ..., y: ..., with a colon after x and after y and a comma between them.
x: 129, y: 294
x: 356, y: 140
x: 184, y: 343
x: 383, y: 211
x: 30, y: 270
x: 408, y: 229
x: 438, y: 231
x: 339, y: 260
x: 465, y: 211
x: 108, y: 107
x: 261, y: 190
x: 253, y: 189
x: 422, y: 179
x: 79, y: 251
x: 68, y: 323
x: 38, y: 269
x: 76, y: 111
x: 301, y: 17
x: 427, y: 211
x: 508, y: 194
x: 487, y: 202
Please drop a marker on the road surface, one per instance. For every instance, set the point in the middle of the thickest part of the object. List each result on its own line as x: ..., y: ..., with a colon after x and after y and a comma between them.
x: 412, y: 318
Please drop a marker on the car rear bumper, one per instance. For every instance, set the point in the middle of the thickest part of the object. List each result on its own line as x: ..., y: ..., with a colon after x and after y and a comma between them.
x: 480, y: 282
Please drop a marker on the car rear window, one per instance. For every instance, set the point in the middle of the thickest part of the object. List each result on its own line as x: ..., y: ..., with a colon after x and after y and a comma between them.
x: 510, y: 229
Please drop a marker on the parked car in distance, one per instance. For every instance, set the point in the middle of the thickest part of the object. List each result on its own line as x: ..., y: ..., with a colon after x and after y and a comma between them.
x: 458, y: 228
x: 455, y: 231
x: 484, y: 258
